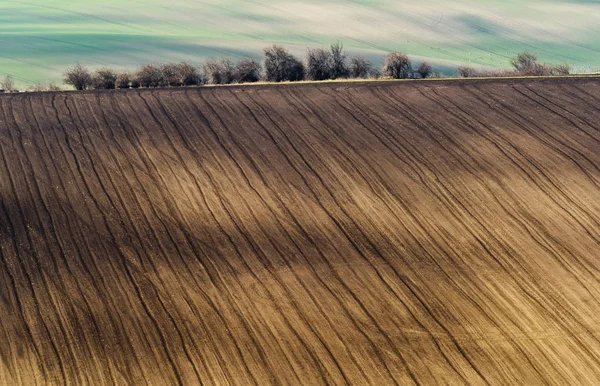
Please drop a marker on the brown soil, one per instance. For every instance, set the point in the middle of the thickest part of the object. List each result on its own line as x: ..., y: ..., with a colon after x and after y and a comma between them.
x: 384, y: 233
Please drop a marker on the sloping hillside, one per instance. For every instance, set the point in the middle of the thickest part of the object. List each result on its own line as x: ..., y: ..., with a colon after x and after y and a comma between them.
x: 41, y: 38
x: 383, y: 233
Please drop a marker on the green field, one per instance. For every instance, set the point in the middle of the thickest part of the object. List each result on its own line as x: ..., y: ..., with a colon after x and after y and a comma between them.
x: 38, y: 39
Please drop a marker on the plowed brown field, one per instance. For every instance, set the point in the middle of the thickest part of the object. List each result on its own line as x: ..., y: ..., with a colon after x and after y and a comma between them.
x: 383, y: 233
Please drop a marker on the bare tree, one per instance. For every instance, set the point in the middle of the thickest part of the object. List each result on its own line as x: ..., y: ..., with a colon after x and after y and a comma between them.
x: 322, y: 64
x: 150, y: 75
x: 189, y: 75
x: 247, y: 71
x: 8, y: 84
x: 339, y: 67
x: 79, y: 77
x: 424, y: 70
x: 359, y: 67
x: 279, y: 65
x: 319, y: 64
x: 397, y: 65
x: 524, y: 61
x: 171, y: 76
x: 104, y: 79
x: 218, y: 71
x: 124, y: 80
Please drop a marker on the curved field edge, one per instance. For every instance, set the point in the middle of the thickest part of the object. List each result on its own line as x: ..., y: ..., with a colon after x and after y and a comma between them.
x: 379, y: 233
x: 355, y: 82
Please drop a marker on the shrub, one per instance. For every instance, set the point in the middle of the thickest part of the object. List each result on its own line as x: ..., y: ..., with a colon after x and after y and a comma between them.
x: 375, y: 73
x: 124, y: 80
x: 527, y: 64
x: 339, y: 68
x: 171, y: 76
x: 279, y: 65
x: 52, y: 87
x: 360, y: 67
x: 534, y: 69
x: 397, y: 65
x: 37, y: 87
x: 323, y: 65
x: 104, y: 79
x: 424, y: 70
x: 560, y: 69
x: 319, y: 64
x: 180, y: 74
x: 218, y: 71
x: 78, y: 76
x: 8, y: 83
x: 247, y: 71
x: 149, y: 75
x: 546, y: 70
x: 40, y: 87
x: 189, y: 75
x: 493, y: 73
x: 524, y: 62
x: 466, y: 72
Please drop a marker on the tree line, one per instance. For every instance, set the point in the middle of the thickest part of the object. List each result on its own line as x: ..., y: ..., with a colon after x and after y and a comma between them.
x: 280, y: 65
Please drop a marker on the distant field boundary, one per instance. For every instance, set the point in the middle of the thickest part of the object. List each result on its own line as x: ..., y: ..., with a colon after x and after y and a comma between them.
x: 337, y: 82
x: 450, y: 79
